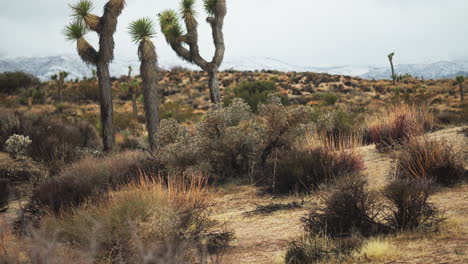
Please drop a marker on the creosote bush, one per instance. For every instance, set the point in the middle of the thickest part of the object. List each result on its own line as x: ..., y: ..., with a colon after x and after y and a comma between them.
x: 410, y: 208
x: 253, y: 93
x: 429, y: 160
x: 350, y: 207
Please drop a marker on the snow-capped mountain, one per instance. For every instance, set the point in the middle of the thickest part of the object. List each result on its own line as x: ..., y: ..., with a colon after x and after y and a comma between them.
x: 44, y: 67
x: 437, y: 70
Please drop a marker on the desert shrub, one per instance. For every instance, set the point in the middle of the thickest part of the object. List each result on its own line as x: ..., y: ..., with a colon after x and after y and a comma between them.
x: 90, y: 177
x: 36, y: 94
x: 350, y: 207
x: 337, y: 124
x: 177, y: 111
x: 86, y: 90
x: 253, y: 93
x: 410, y: 208
x: 130, y: 143
x: 320, y: 248
x: 12, y: 123
x: 399, y: 124
x: 4, y: 193
x: 329, y: 98
x: 11, y: 82
x: 124, y: 120
x: 54, y: 141
x: 16, y: 145
x: 303, y: 169
x: 429, y: 160
x: 149, y: 216
x: 220, y: 145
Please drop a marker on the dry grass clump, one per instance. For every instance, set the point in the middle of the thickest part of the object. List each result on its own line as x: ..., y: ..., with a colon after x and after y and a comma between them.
x: 429, y: 160
x: 147, y: 221
x: 401, y: 122
x: 310, y: 163
x: 84, y: 180
x: 377, y: 249
x: 151, y: 216
x: 320, y: 248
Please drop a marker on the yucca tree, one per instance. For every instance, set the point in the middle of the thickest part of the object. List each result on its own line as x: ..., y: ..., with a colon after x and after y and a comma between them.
x: 105, y: 26
x: 172, y: 30
x: 141, y: 31
x: 390, y: 58
x: 133, y: 88
x: 459, y: 81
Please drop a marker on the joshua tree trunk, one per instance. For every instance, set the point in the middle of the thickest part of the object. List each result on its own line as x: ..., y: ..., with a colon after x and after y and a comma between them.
x: 105, y: 88
x: 105, y: 27
x: 393, y: 73
x: 390, y: 58
x: 213, y: 82
x: 148, y: 71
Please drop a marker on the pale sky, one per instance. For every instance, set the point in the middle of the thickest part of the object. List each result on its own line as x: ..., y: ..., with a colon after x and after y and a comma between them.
x: 301, y: 32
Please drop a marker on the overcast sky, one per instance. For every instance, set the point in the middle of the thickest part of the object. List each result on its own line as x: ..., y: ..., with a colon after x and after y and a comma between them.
x: 302, y: 32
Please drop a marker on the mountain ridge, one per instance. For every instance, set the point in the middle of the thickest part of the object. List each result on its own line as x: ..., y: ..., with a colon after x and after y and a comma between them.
x: 44, y: 67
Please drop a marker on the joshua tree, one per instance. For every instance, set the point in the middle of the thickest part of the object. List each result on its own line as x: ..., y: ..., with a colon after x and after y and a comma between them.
x: 60, y: 81
x: 105, y: 27
x: 459, y: 81
x: 142, y: 31
x: 174, y: 35
x: 133, y: 88
x: 390, y: 58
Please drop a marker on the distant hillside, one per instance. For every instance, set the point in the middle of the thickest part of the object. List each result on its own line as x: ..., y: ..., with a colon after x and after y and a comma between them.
x: 44, y: 67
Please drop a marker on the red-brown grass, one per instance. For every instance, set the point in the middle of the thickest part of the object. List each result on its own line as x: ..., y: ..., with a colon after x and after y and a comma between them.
x: 429, y: 160
x: 390, y: 129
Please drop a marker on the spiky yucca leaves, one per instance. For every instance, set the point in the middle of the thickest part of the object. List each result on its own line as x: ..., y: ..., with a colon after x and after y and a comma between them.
x: 170, y: 26
x: 82, y: 9
x: 142, y: 28
x: 187, y: 9
x: 82, y: 12
x: 74, y: 30
x: 210, y: 6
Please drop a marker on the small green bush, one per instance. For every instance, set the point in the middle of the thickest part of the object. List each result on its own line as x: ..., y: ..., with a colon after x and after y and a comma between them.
x: 329, y: 98
x: 35, y: 93
x: 253, y: 93
x: 177, y: 111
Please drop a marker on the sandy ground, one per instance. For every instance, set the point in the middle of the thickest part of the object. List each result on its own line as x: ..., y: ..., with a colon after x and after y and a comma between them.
x: 263, y: 238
